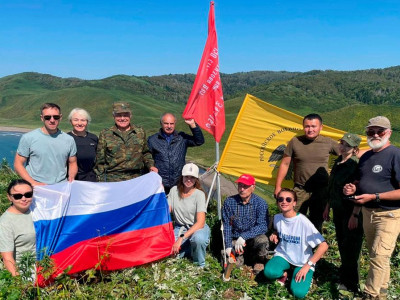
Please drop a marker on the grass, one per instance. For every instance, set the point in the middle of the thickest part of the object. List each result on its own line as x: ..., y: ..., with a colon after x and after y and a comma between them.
x: 173, y: 278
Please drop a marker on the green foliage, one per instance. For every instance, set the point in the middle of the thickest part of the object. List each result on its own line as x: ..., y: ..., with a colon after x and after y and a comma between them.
x: 344, y: 99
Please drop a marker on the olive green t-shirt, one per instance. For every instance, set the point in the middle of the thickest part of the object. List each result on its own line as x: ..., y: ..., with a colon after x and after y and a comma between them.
x: 184, y: 211
x: 17, y: 234
x: 310, y: 159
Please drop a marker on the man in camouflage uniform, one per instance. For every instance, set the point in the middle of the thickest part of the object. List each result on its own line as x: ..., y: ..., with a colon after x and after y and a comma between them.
x: 122, y: 152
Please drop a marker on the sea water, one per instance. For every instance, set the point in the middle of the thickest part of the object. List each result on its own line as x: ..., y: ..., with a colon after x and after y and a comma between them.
x: 8, y: 145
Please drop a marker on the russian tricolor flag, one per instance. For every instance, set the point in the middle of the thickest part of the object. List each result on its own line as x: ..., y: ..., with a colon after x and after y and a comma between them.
x: 106, y: 226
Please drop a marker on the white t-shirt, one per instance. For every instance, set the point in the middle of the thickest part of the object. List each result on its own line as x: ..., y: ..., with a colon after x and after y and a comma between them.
x: 297, y: 238
x: 184, y: 211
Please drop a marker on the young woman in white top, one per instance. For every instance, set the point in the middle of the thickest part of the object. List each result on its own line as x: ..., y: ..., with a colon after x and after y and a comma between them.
x: 296, y: 236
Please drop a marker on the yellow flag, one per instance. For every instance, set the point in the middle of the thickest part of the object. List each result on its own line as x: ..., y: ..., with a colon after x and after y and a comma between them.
x: 259, y: 137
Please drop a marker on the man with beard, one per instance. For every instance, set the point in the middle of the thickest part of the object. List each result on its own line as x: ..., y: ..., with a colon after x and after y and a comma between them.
x: 378, y: 190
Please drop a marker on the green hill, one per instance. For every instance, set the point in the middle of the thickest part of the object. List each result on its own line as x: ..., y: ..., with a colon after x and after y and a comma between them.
x: 344, y: 99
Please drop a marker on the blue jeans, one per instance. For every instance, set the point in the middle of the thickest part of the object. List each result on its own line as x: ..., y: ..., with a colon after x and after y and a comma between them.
x: 195, y: 246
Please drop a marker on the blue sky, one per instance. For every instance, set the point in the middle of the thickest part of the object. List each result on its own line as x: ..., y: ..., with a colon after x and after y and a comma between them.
x: 96, y: 39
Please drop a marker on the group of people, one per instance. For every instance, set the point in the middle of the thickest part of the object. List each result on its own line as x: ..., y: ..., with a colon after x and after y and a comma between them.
x: 362, y: 189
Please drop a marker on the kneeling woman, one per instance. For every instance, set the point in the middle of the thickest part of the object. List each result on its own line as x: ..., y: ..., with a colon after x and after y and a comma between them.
x: 187, y: 202
x: 16, y: 226
x: 296, y: 237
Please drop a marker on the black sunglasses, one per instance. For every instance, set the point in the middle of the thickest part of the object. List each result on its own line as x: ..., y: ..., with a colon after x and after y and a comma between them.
x: 288, y: 199
x: 380, y: 132
x: 19, y: 196
x: 55, y: 117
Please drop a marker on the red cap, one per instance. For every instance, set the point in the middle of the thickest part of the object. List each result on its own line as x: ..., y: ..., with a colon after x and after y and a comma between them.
x: 246, y: 179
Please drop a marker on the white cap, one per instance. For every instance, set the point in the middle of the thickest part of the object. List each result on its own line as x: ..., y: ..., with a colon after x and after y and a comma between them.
x: 190, y: 170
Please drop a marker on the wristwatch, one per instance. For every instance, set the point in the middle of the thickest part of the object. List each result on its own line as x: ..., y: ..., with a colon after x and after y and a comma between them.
x: 356, y: 216
x: 182, y: 236
x: 377, y: 199
x: 310, y: 263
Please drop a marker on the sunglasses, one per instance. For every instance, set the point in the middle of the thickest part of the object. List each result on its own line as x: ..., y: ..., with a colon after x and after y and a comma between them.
x: 281, y: 199
x: 19, y: 196
x: 55, y: 117
x: 380, y: 132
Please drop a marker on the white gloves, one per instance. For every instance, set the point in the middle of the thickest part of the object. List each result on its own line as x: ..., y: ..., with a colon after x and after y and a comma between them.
x: 228, y: 251
x: 240, y: 243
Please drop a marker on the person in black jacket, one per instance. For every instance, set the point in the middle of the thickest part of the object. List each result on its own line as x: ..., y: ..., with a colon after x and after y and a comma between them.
x: 169, y: 147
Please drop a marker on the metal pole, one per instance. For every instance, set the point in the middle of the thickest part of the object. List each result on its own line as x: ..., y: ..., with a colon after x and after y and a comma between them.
x: 218, y: 181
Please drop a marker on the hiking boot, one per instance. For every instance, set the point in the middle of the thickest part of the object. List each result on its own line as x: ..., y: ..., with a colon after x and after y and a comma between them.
x: 257, y: 268
x: 282, y: 280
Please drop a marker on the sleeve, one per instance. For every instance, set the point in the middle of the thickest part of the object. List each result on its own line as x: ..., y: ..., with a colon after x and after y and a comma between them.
x: 201, y: 202
x: 149, y: 144
x: 24, y: 146
x: 100, y: 156
x: 261, y: 224
x: 226, y: 217
x: 197, y: 139
x: 396, y: 165
x: 7, y: 239
x: 314, y: 238
x: 147, y: 156
x: 289, y: 149
x: 72, y: 148
x: 335, y: 147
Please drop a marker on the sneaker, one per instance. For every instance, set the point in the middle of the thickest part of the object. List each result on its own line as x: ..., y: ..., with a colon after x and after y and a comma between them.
x: 282, y: 280
x: 257, y: 268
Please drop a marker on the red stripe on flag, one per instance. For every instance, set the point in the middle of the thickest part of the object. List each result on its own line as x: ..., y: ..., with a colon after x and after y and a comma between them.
x: 114, y: 252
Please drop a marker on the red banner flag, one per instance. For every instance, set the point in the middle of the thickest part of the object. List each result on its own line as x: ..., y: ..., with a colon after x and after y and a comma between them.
x: 206, y: 101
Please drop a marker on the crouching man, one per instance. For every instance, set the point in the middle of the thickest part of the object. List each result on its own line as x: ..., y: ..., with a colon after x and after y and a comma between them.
x: 245, y: 220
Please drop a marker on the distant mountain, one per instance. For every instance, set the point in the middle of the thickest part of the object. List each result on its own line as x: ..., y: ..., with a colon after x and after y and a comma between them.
x: 345, y: 99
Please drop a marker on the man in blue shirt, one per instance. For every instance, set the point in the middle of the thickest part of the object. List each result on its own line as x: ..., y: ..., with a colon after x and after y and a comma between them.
x: 245, y: 220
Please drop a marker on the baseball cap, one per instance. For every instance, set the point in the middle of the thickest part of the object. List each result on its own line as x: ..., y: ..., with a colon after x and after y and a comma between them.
x: 379, y: 121
x: 246, y: 179
x: 190, y: 169
x: 352, y: 139
x: 121, y: 107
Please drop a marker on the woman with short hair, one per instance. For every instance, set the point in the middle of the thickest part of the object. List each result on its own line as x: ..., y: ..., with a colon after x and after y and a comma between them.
x: 187, y: 203
x: 86, y: 144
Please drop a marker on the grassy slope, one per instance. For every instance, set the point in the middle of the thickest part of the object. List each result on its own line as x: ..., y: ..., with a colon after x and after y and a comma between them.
x: 180, y: 279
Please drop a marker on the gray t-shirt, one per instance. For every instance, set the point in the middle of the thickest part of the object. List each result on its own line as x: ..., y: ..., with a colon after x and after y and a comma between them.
x: 17, y: 234
x: 184, y: 210
x: 47, y: 155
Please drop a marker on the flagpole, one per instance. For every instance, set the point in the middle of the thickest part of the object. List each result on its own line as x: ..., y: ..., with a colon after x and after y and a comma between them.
x: 218, y: 180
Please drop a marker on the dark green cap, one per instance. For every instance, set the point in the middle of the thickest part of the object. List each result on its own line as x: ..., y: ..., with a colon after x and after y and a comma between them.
x: 352, y: 139
x: 121, y: 107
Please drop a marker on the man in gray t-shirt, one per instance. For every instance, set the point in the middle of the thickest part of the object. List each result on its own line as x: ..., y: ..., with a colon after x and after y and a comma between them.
x: 47, y: 155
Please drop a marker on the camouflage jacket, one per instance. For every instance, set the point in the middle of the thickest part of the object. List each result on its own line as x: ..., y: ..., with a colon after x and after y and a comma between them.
x: 122, y: 155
